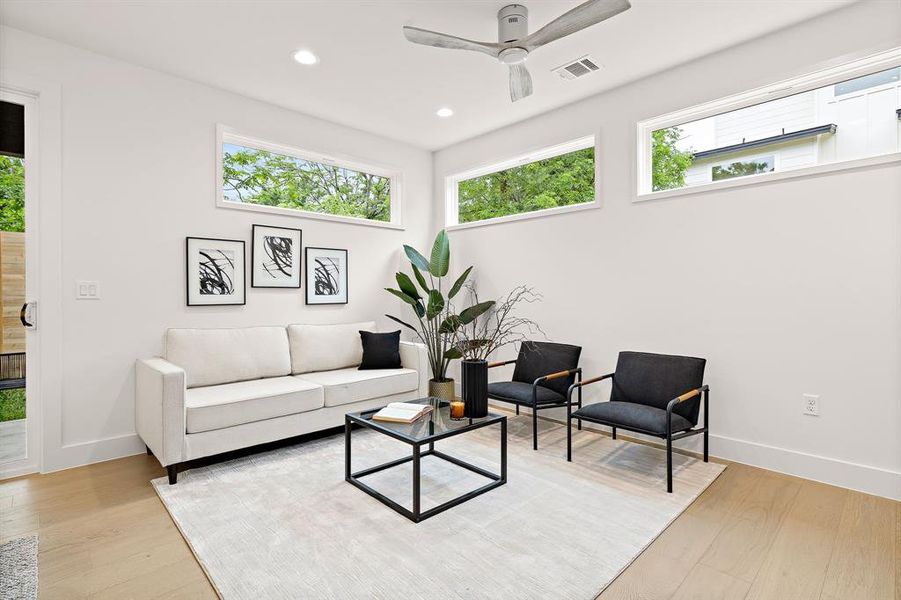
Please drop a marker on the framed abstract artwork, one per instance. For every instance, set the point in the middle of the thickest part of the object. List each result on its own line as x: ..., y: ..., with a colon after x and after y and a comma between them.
x: 275, y: 257
x: 326, y: 276
x: 215, y: 271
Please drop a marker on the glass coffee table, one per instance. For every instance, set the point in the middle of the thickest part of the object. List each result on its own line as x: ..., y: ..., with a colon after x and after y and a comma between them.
x: 424, y: 432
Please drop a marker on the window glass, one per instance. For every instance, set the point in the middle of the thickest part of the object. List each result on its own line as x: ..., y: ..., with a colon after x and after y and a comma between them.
x: 826, y: 125
x: 254, y: 176
x: 561, y: 180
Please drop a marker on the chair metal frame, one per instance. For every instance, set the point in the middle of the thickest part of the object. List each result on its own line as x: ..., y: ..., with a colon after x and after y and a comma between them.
x: 568, y: 403
x: 669, y: 436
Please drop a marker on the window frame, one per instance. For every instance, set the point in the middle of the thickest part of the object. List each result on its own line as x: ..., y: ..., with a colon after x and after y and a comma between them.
x: 451, y: 184
x: 228, y: 135
x: 796, y: 85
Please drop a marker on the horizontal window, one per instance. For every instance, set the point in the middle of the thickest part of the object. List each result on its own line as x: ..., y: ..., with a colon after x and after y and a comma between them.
x: 536, y: 183
x: 254, y: 173
x: 838, y: 119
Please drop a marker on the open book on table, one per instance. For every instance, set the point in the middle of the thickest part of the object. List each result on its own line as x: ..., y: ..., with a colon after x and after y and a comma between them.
x: 402, y: 412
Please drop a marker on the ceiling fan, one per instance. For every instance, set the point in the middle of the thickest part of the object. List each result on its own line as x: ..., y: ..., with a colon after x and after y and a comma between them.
x: 514, y: 41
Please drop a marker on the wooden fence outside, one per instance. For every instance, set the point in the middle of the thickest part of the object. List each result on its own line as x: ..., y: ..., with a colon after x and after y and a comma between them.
x: 12, y: 291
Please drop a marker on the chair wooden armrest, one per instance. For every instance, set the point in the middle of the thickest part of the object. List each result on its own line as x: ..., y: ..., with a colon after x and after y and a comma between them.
x: 691, y: 394
x: 560, y: 374
x: 501, y: 363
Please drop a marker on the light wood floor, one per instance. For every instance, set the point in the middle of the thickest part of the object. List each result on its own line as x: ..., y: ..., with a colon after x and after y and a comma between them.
x: 753, y: 534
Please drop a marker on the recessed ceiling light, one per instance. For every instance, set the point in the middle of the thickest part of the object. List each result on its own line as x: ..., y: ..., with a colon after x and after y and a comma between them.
x: 306, y: 57
x: 444, y: 112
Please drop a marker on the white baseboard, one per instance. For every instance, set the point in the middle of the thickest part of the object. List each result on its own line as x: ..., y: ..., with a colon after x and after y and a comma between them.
x: 94, y: 451
x: 855, y: 476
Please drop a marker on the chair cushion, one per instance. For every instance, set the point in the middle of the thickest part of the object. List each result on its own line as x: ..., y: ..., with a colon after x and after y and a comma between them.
x: 326, y: 347
x: 346, y: 386
x: 537, y: 359
x: 655, y: 379
x: 521, y: 393
x: 215, y: 356
x: 632, y: 416
x: 219, y: 406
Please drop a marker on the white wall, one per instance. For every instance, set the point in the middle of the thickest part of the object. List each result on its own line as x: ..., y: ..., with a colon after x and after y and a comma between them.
x: 137, y: 176
x: 786, y: 288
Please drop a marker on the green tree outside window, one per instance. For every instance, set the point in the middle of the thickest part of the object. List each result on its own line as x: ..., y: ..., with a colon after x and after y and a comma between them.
x: 260, y: 177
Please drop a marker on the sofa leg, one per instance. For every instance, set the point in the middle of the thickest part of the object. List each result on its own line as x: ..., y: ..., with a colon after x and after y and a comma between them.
x: 149, y: 453
x: 172, y: 471
x: 534, y: 428
x: 517, y: 409
x: 569, y: 439
x: 613, y: 432
x: 669, y: 464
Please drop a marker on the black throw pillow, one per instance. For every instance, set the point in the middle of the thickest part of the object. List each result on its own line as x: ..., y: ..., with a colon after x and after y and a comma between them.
x: 380, y: 350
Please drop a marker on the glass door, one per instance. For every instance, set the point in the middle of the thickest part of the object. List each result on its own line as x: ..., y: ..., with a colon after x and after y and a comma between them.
x: 17, y: 427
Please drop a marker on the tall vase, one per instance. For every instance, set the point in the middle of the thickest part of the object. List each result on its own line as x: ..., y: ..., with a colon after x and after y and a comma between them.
x: 475, y: 387
x: 442, y: 389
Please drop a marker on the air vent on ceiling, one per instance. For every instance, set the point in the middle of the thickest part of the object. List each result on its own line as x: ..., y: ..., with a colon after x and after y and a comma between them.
x: 577, y: 68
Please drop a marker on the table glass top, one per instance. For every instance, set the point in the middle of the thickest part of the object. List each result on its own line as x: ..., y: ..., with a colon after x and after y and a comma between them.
x: 435, y: 424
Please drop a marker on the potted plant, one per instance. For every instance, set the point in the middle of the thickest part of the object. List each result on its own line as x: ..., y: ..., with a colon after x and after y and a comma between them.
x: 434, y: 313
x: 489, y: 331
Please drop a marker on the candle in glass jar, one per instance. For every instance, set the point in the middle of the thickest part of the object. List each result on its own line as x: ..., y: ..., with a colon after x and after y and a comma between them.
x: 456, y: 410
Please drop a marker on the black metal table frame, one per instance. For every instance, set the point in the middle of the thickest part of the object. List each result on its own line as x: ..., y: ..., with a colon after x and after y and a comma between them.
x: 417, y: 514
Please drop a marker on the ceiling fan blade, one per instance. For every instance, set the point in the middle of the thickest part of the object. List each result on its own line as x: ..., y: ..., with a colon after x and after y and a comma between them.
x: 585, y: 15
x: 443, y: 40
x: 520, y: 81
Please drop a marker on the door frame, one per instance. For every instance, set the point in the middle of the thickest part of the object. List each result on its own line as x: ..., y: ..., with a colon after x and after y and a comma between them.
x: 43, y: 214
x: 32, y: 461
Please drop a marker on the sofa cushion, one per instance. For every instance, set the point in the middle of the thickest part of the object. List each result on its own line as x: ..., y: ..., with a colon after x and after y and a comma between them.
x: 215, y: 356
x: 326, y: 347
x: 226, y: 405
x: 345, y: 386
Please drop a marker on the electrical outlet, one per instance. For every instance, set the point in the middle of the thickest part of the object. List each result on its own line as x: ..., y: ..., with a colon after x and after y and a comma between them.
x: 811, y: 404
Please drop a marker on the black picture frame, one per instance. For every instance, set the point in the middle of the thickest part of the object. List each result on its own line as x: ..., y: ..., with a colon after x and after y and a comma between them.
x: 239, y: 269
x: 253, y: 257
x: 344, y: 297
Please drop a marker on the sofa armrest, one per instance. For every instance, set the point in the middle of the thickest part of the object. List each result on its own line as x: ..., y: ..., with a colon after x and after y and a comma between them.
x: 413, y: 355
x: 160, y: 408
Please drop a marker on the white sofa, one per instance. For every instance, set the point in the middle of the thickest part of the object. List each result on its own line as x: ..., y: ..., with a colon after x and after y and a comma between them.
x: 217, y: 390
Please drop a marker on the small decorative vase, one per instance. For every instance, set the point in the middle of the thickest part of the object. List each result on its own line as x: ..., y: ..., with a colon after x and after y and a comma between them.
x: 475, y: 387
x: 442, y: 389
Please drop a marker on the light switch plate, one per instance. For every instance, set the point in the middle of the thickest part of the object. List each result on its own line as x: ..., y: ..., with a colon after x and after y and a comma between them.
x: 87, y: 290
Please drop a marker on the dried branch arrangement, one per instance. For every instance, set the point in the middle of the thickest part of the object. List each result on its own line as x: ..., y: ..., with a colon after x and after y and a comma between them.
x: 497, y: 327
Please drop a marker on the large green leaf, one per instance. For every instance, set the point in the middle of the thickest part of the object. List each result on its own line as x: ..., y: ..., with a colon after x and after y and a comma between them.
x: 408, y: 299
x: 440, y: 262
x: 422, y: 282
x: 404, y: 323
x: 459, y: 283
x: 435, y: 305
x: 419, y: 308
x: 406, y: 285
x: 452, y: 353
x: 416, y: 258
x: 472, y: 313
x: 450, y: 324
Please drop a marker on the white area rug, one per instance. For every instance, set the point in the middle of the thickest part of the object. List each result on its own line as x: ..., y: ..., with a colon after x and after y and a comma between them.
x: 19, y: 568
x: 285, y: 524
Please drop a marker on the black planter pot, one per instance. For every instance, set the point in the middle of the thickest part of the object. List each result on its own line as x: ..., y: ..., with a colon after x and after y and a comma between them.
x: 475, y: 387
